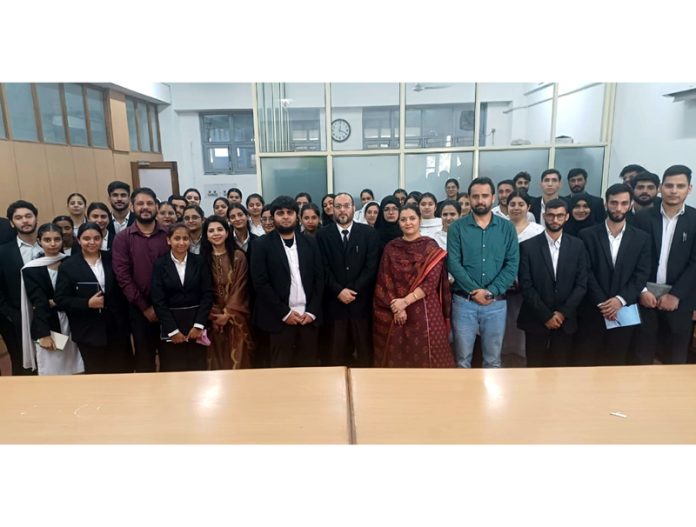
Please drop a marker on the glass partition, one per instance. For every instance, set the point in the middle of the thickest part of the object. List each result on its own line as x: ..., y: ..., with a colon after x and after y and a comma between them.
x: 429, y: 172
x: 290, y: 175
x: 354, y: 173
x: 505, y: 164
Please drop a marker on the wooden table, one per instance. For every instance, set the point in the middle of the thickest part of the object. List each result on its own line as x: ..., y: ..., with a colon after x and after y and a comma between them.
x: 555, y: 405
x: 299, y: 405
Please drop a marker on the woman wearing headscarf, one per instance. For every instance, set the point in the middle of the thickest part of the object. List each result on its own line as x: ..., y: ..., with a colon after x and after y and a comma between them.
x: 581, y: 215
x: 387, y: 224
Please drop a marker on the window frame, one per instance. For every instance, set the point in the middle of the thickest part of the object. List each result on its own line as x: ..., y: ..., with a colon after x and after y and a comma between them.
x: 231, y: 145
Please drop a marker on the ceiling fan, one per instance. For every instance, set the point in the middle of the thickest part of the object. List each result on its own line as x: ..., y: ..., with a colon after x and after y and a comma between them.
x: 420, y: 87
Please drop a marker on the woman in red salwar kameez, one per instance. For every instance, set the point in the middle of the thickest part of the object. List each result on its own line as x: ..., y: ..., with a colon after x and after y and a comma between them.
x: 412, y: 301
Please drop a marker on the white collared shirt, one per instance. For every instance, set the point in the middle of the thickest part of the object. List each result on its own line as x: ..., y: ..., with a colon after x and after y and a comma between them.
x: 105, y: 242
x: 554, y: 248
x: 669, y: 225
x: 243, y: 245
x: 120, y: 225
x: 498, y: 212
x: 614, y: 241
x: 195, y: 246
x: 349, y: 228
x: 98, y: 270
x: 180, y: 266
x: 298, y: 299
x: 28, y: 251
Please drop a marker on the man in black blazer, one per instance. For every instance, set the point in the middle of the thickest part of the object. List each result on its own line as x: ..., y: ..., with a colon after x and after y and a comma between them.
x: 350, y: 252
x: 645, y: 196
x: 553, y: 280
x: 288, y: 278
x: 577, y: 181
x: 14, y: 254
x: 618, y: 257
x: 550, y: 187
x: 121, y: 217
x: 667, y: 318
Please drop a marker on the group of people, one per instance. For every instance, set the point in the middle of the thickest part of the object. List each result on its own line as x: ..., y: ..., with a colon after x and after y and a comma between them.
x: 409, y: 281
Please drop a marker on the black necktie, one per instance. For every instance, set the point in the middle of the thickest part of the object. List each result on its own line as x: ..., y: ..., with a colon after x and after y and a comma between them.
x: 345, y: 237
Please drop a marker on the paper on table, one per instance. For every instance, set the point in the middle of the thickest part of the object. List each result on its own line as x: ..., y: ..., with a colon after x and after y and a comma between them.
x: 626, y: 316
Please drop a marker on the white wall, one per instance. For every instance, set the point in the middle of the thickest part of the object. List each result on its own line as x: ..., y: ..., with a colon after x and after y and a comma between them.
x: 651, y: 130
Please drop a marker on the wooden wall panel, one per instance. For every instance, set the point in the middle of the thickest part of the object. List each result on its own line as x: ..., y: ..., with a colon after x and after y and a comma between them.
x: 8, y: 176
x: 105, y: 173
x: 119, y: 121
x: 122, y: 167
x: 33, y: 177
x: 61, y: 177
x: 86, y: 174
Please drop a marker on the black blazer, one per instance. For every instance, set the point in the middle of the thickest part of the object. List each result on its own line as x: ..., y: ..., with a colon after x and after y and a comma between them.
x: 542, y: 295
x: 606, y: 280
x: 354, y: 267
x: 599, y: 211
x: 681, y: 265
x: 167, y: 291
x: 91, y: 327
x: 7, y: 233
x: 270, y: 273
x: 112, y: 231
x: 39, y: 288
x: 11, y: 264
x: 535, y: 208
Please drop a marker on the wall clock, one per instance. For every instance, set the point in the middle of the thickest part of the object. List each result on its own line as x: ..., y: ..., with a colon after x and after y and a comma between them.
x: 340, y: 130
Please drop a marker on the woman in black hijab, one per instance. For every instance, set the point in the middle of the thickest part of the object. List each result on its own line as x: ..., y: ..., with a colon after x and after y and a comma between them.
x: 580, y: 215
x: 387, y: 224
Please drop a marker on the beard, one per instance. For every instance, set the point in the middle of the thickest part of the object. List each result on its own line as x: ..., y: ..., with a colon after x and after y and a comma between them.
x: 285, y: 230
x: 145, y: 221
x: 645, y: 200
x: 577, y: 189
x: 553, y: 228
x: 481, y: 210
x: 616, y: 217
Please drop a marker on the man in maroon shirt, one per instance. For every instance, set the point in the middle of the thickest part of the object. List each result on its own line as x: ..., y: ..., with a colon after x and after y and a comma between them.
x: 134, y: 253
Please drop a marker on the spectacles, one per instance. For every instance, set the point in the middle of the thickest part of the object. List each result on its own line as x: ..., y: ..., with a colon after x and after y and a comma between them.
x: 550, y: 216
x: 391, y: 209
x: 192, y: 218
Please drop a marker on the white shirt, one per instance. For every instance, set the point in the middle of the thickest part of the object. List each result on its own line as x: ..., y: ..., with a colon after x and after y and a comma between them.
x: 532, y: 229
x: 28, y: 251
x: 496, y: 210
x: 98, y: 270
x: 243, y: 245
x: 180, y: 266
x: 349, y: 228
x: 298, y: 299
x: 669, y: 225
x: 105, y: 242
x: 430, y: 227
x: 441, y: 238
x: 554, y: 248
x: 120, y: 225
x: 195, y: 246
x: 614, y: 245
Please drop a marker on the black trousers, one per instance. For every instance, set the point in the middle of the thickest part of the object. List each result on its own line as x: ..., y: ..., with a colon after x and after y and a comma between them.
x: 294, y: 346
x: 187, y: 356
x: 667, y: 333
x: 551, y: 350
x: 348, y: 337
x: 12, y: 336
x: 112, y: 358
x: 146, y: 340
x: 595, y: 345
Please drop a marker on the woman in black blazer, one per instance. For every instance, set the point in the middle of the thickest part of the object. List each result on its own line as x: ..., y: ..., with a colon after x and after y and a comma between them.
x: 40, y: 314
x: 87, y: 291
x: 99, y: 213
x: 182, y: 296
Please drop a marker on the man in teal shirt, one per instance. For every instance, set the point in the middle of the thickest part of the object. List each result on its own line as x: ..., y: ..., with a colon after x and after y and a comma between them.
x: 483, y: 255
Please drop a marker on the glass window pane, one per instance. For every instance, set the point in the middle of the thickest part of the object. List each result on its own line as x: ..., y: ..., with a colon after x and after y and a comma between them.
x: 246, y: 158
x: 243, y: 127
x: 217, y: 128
x: 154, y: 126
x: 285, y: 109
x: 591, y: 159
x: 579, y: 114
x: 217, y: 159
x: 51, y: 113
x: 290, y: 175
x: 371, y: 112
x: 429, y: 172
x: 439, y: 114
x: 516, y: 113
x: 378, y: 173
x: 144, y: 127
x: 132, y: 132
x: 505, y: 164
x: 97, y: 120
x: 77, y: 123
x: 20, y: 109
